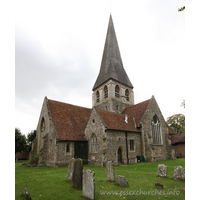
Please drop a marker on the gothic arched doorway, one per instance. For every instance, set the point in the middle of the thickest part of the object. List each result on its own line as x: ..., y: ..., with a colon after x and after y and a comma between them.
x: 119, y: 155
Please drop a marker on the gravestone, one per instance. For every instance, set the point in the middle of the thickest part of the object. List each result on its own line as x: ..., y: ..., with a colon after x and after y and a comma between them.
x: 162, y: 171
x: 159, y: 185
x: 70, y: 170
x: 78, y: 173
x: 110, y: 171
x: 122, y: 181
x: 88, y: 184
x: 179, y: 173
x: 25, y: 192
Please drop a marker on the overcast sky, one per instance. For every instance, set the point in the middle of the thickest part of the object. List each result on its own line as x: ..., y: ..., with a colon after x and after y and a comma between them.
x: 59, y: 46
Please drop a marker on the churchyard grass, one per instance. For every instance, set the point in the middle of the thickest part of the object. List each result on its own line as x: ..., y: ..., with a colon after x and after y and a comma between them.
x: 50, y: 183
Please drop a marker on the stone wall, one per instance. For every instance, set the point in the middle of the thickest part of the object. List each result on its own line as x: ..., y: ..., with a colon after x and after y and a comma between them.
x: 109, y: 141
x: 112, y: 103
x: 151, y: 151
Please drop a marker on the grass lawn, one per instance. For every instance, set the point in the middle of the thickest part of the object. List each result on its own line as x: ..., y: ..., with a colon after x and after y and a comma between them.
x: 50, y: 183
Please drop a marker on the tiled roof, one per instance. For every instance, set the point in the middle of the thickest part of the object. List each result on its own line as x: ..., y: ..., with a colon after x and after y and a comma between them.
x: 137, y: 111
x: 69, y: 120
x: 178, y: 138
x: 117, y: 121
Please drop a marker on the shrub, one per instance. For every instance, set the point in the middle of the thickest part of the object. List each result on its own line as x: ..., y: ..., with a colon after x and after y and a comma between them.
x: 34, y: 159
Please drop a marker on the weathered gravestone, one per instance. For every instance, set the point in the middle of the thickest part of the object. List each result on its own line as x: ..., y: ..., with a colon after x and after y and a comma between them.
x: 110, y: 171
x: 179, y: 173
x: 159, y: 185
x: 162, y: 171
x: 25, y: 192
x: 122, y: 181
x: 70, y: 170
x: 88, y: 184
x: 78, y: 173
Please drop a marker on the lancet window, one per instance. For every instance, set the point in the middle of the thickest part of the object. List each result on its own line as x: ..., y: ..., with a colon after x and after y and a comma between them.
x: 93, y: 143
x: 156, y: 130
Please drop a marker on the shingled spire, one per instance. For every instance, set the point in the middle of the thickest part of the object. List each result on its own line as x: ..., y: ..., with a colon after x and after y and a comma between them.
x: 111, y: 64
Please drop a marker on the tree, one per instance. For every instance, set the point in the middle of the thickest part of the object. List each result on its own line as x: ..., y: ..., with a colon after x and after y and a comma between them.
x: 177, y: 122
x: 20, y: 141
x: 181, y: 9
x: 30, y: 137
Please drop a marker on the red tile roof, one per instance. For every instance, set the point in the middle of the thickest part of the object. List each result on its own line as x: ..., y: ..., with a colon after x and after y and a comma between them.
x: 178, y: 138
x: 69, y: 120
x: 117, y: 121
x: 137, y: 111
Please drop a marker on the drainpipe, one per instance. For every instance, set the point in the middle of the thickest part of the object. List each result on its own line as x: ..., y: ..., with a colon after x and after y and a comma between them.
x: 127, y: 147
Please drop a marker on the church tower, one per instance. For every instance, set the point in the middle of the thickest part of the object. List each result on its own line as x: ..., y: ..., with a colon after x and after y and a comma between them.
x: 112, y: 90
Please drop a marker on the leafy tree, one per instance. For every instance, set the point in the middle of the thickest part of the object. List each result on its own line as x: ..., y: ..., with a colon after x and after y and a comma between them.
x: 20, y: 141
x: 183, y: 103
x: 30, y: 137
x: 177, y: 122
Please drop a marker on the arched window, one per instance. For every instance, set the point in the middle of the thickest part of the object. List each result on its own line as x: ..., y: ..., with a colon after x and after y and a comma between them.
x: 156, y: 130
x: 42, y: 130
x: 93, y: 143
x: 105, y: 92
x: 117, y: 91
x: 127, y: 94
x: 97, y: 96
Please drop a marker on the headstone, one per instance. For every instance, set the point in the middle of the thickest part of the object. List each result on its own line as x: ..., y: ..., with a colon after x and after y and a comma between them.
x: 25, y: 192
x: 122, y: 181
x: 159, y: 185
x: 162, y: 171
x: 179, y: 173
x: 78, y: 173
x: 88, y: 184
x: 70, y: 170
x: 110, y: 171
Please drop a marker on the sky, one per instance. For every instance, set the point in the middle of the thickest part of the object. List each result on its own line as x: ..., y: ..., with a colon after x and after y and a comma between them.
x: 59, y: 47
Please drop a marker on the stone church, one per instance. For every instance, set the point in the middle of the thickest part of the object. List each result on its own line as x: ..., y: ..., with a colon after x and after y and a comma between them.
x: 115, y: 129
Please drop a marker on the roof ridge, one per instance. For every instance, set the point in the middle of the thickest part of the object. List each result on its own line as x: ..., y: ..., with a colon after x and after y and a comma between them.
x: 68, y: 104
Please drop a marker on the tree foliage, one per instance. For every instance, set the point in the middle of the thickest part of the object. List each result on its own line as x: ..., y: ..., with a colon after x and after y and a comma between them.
x: 177, y: 122
x: 183, y: 103
x: 30, y: 137
x: 20, y: 141
x: 181, y: 9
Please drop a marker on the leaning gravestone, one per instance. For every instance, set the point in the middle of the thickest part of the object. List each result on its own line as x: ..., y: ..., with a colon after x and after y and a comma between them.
x: 70, y: 170
x: 162, y: 171
x: 159, y: 185
x: 78, y: 173
x: 179, y: 173
x: 121, y: 181
x: 88, y: 184
x: 110, y: 171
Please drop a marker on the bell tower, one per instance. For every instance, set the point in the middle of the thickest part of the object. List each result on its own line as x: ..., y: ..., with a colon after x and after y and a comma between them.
x: 112, y: 90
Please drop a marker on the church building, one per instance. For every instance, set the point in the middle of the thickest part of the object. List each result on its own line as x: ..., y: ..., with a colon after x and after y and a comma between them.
x: 115, y: 129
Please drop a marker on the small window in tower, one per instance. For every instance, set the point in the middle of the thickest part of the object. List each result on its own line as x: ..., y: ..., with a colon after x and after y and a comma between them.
x: 117, y: 91
x: 127, y: 94
x: 93, y: 120
x: 105, y: 92
x: 97, y: 96
x: 117, y: 107
x: 106, y: 108
x: 132, y: 145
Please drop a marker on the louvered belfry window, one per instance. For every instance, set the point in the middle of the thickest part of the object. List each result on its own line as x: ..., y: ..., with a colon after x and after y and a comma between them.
x: 97, y: 96
x: 127, y: 94
x: 156, y: 131
x: 117, y: 91
x: 105, y: 92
